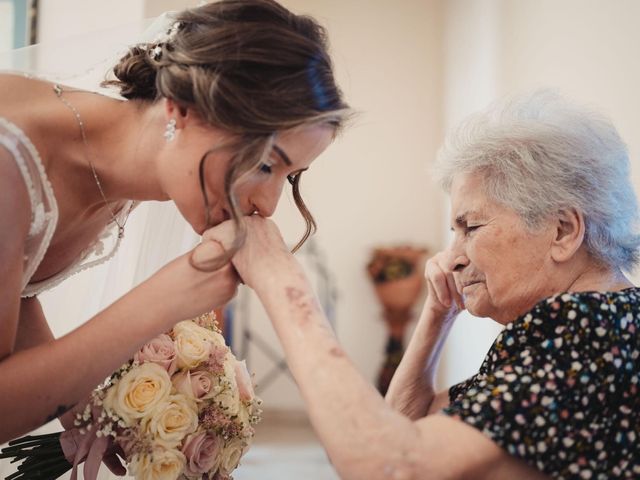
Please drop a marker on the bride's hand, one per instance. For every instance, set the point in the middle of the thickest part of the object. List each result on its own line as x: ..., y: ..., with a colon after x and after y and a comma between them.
x: 264, y: 253
x: 191, y: 292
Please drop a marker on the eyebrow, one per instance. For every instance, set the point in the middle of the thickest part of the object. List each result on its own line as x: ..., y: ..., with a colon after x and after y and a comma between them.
x: 461, y: 220
x: 285, y: 158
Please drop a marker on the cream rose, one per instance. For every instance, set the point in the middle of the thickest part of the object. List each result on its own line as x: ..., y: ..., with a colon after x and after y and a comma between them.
x: 231, y: 454
x: 189, y: 326
x: 163, y: 464
x: 172, y: 420
x: 202, y: 452
x: 139, y: 391
x: 192, y: 348
x: 160, y: 350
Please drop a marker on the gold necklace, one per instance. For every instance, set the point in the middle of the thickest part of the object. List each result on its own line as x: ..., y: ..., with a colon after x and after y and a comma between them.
x: 58, y: 91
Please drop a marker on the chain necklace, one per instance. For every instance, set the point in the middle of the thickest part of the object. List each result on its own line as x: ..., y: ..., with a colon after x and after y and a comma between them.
x: 58, y: 91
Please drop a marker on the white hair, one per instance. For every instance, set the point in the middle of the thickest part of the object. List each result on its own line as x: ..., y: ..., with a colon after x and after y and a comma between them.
x: 540, y: 154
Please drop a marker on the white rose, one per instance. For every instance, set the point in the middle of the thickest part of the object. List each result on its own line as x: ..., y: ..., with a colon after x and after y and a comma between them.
x: 231, y: 454
x: 206, y: 334
x: 191, y: 348
x: 162, y: 464
x: 139, y: 391
x: 172, y: 420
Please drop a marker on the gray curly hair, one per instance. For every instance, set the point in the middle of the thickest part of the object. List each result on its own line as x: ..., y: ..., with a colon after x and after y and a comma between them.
x: 540, y: 154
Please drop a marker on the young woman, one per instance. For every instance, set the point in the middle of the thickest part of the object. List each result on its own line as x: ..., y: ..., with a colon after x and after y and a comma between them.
x: 237, y: 100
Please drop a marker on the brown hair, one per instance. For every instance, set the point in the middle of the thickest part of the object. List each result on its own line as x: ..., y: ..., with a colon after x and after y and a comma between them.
x: 250, y: 67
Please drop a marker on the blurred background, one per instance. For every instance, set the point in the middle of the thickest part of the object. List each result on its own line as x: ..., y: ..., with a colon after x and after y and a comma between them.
x: 411, y: 69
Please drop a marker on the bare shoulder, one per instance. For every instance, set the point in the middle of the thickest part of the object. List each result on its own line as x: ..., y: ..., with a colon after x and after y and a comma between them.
x: 18, y: 91
x: 453, y: 449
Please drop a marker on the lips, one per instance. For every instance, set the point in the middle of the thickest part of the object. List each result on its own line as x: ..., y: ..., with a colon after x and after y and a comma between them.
x: 470, y: 282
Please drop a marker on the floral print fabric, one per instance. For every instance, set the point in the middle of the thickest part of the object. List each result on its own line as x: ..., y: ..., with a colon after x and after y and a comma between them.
x: 559, y: 387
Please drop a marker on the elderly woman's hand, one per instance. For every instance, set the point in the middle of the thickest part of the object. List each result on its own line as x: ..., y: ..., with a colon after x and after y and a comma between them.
x: 443, y: 296
x: 264, y: 253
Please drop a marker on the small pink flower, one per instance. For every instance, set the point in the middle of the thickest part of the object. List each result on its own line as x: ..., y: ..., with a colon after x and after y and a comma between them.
x: 201, y: 450
x: 243, y: 380
x: 217, y: 358
x: 161, y: 350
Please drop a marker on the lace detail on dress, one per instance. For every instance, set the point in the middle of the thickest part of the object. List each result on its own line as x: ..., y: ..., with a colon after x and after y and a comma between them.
x: 92, y: 256
x: 44, y: 208
x: 44, y: 216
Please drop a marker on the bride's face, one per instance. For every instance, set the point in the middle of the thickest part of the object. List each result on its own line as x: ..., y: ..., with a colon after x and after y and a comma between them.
x: 257, y: 192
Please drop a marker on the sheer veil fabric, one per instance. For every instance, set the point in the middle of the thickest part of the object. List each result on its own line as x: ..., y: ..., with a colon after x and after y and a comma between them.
x: 155, y: 233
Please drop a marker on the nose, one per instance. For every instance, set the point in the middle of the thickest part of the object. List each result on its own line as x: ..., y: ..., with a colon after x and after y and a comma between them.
x: 458, y: 258
x: 265, y: 201
x: 459, y: 263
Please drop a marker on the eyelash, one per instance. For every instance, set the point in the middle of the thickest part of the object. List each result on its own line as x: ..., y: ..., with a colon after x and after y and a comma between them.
x: 470, y: 229
x: 267, y: 170
x: 264, y: 168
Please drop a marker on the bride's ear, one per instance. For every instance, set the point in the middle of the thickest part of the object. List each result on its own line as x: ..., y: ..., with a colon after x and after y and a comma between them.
x: 177, y: 112
x: 569, y: 234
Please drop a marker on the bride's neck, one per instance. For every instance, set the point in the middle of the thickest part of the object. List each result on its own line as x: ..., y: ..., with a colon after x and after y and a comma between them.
x: 122, y: 142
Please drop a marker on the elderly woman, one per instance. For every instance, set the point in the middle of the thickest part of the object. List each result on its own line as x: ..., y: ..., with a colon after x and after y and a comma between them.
x: 544, y: 219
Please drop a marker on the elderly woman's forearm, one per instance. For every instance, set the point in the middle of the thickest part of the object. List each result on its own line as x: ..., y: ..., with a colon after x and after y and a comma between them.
x: 373, y: 438
x: 412, y: 388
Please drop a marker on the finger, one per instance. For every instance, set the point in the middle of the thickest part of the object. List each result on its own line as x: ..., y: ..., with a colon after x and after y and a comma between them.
x: 457, y: 298
x: 207, y: 251
x: 224, y: 233
x: 438, y: 283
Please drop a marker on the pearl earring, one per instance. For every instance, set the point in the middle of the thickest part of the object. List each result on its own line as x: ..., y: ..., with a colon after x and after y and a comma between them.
x: 170, y: 131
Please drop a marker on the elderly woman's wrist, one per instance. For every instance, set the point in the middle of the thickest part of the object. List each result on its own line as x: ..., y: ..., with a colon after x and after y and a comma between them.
x: 276, y: 272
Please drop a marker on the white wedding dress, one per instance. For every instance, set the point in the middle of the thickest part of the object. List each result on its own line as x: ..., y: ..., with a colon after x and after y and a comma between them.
x: 155, y: 234
x: 44, y: 216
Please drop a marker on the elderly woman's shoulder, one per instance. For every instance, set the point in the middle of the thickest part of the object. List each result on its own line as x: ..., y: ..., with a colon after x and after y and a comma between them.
x: 590, y: 314
x: 595, y: 302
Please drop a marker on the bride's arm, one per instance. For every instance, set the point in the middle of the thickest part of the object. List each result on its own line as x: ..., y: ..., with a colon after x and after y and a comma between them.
x: 41, y: 382
x: 33, y: 328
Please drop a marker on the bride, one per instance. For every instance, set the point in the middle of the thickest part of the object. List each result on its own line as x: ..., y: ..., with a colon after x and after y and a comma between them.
x: 238, y: 99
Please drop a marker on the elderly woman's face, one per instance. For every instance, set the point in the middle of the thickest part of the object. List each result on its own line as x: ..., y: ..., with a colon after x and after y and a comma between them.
x: 501, y: 268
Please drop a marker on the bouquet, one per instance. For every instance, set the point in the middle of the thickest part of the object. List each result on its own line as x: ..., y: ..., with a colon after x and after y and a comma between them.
x: 183, y: 407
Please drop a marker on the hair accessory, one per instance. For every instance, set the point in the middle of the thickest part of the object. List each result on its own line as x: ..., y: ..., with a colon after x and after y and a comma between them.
x: 170, y: 131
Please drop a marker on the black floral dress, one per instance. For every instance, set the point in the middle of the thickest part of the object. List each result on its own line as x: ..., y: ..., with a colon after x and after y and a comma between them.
x: 560, y: 387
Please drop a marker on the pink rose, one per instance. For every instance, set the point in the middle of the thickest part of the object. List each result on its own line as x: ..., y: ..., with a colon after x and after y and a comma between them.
x: 196, y: 384
x: 162, y: 351
x: 243, y: 380
x: 202, y: 451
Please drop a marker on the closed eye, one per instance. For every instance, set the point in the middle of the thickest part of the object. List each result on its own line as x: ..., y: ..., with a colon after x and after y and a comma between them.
x: 470, y: 229
x: 264, y: 168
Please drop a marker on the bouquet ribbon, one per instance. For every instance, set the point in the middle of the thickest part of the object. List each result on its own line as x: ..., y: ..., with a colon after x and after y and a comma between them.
x: 87, y: 447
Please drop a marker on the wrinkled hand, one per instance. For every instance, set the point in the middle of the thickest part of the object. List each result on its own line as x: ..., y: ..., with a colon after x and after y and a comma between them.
x: 443, y: 297
x: 264, y: 253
